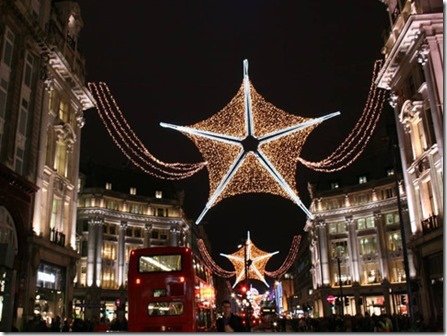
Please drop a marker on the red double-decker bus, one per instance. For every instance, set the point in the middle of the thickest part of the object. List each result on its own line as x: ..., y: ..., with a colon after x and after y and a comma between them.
x: 161, y: 290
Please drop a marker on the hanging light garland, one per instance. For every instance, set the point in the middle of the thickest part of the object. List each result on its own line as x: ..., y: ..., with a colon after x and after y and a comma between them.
x: 210, y: 262
x: 355, y: 143
x: 131, y: 146
x: 288, y: 262
x: 250, y: 146
x: 237, y: 259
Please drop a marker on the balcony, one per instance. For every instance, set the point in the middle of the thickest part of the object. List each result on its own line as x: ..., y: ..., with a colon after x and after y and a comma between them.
x: 430, y: 224
x: 57, y: 237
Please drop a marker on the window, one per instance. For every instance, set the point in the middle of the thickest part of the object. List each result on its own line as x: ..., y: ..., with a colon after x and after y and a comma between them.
x: 84, y: 248
x: 112, y: 205
x: 339, y: 249
x: 129, y: 231
x: 390, y: 172
x: 64, y: 113
x: 362, y: 179
x: 370, y: 273
x: 158, y: 194
x: 368, y: 245
x: 136, y: 208
x: 108, y: 277
x: 334, y: 185
x: 60, y: 160
x: 160, y: 263
x: 108, y: 186
x: 55, y: 211
x: 112, y: 229
x: 109, y: 251
x: 24, y: 112
x: 345, y: 274
x: 365, y: 223
x: 154, y: 234
x: 133, y: 191
x: 8, y: 48
x: 397, y: 271
x: 391, y: 218
x: 160, y: 212
x: 337, y: 227
x: 394, y: 241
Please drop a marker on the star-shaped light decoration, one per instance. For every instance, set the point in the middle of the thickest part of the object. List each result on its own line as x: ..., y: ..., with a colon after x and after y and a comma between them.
x: 254, y: 257
x: 251, y: 146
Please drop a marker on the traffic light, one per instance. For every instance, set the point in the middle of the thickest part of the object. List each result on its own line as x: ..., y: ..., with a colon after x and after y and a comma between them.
x: 346, y: 301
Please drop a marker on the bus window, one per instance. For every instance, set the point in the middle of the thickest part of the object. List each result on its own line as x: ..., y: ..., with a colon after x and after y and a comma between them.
x: 160, y: 263
x: 165, y: 308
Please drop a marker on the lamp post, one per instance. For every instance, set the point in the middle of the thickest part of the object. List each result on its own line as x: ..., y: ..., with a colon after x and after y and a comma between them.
x: 247, y: 263
x: 340, y: 283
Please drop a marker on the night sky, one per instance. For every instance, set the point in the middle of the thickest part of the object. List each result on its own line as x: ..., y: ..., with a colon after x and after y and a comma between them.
x: 181, y: 61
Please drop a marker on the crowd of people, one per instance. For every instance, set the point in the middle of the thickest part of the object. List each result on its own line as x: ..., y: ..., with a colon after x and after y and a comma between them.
x: 38, y: 324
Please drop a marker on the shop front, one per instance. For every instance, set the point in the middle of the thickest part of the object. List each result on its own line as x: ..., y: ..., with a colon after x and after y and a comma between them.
x: 50, y: 295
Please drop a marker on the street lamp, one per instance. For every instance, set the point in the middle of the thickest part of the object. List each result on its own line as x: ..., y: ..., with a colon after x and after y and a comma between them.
x: 247, y: 264
x: 339, y: 248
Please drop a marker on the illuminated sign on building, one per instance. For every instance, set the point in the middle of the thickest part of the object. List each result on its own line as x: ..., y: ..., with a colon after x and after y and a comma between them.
x: 47, y: 277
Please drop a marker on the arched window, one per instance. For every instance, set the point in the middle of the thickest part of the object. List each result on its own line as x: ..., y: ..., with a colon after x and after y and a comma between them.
x: 8, y: 233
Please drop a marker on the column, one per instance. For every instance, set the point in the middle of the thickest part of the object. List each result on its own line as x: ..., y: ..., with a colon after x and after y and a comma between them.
x: 39, y: 210
x: 174, y: 233
x: 354, y: 249
x: 91, y: 253
x: 436, y: 184
x: 121, y: 252
x: 324, y: 252
x: 383, y: 254
x: 99, y: 229
x: 411, y: 199
x: 147, y: 234
x: 435, y: 103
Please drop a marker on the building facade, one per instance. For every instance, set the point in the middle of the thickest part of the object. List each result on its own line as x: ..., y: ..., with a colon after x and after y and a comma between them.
x: 39, y: 67
x: 111, y: 224
x: 356, y: 249
x: 413, y: 72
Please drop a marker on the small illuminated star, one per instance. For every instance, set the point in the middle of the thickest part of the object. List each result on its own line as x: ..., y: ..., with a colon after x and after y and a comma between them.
x: 251, y: 146
x: 256, y: 259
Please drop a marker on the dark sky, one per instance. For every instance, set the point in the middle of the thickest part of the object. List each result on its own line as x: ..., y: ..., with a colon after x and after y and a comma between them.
x: 181, y: 61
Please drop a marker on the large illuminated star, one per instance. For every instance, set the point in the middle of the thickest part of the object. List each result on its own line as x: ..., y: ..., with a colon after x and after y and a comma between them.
x: 256, y: 258
x: 251, y: 146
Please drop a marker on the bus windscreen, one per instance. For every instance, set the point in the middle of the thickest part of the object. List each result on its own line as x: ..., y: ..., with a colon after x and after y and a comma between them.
x: 160, y: 263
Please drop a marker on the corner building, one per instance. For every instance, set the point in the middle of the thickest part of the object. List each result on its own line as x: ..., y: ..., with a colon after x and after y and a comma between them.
x: 357, y: 227
x: 112, y: 221
x: 42, y: 98
x: 413, y: 73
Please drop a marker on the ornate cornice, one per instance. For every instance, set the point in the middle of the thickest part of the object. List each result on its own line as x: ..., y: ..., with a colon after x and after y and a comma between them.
x: 107, y: 213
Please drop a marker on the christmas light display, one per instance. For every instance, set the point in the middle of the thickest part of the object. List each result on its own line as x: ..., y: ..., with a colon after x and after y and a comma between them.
x: 354, y: 144
x: 251, y: 146
x: 288, y: 261
x: 131, y: 146
x: 253, y: 257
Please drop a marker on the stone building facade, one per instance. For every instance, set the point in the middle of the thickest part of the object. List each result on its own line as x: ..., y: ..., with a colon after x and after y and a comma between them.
x: 413, y: 72
x: 356, y: 249
x: 40, y: 67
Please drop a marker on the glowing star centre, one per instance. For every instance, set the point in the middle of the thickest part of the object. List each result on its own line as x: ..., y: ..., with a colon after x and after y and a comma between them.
x: 251, y: 146
x: 252, y: 256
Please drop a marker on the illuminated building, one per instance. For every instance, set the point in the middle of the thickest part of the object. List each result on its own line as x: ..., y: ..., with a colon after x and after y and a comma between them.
x: 413, y: 73
x: 114, y: 218
x: 357, y: 226
x: 42, y: 98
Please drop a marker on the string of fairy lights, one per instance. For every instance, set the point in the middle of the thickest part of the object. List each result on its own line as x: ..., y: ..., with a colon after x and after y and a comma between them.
x: 288, y: 262
x: 130, y: 145
x: 355, y: 143
x: 258, y: 258
x: 210, y: 262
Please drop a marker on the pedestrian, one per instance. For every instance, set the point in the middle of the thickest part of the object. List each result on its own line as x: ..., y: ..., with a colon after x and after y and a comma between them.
x: 56, y: 324
x: 229, y: 322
